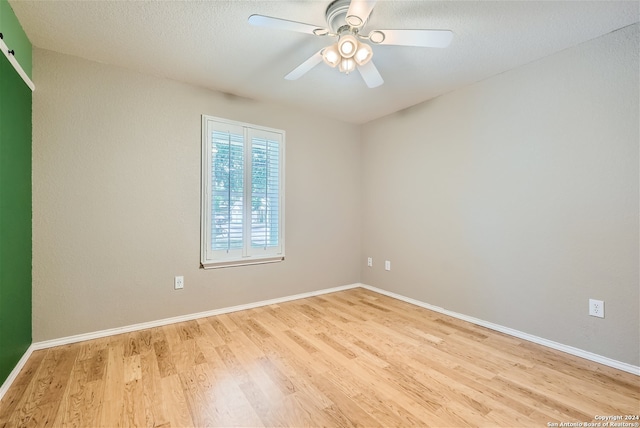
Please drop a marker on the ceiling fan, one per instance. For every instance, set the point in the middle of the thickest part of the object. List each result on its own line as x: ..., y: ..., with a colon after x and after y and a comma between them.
x: 346, y: 20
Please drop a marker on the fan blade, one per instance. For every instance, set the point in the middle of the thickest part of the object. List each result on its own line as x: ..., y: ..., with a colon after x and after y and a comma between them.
x: 359, y: 11
x: 305, y: 66
x: 284, y: 24
x: 420, y: 38
x: 370, y: 74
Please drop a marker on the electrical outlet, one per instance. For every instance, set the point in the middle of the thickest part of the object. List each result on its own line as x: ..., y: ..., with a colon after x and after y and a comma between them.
x: 387, y: 265
x: 370, y: 261
x: 178, y: 282
x: 596, y: 308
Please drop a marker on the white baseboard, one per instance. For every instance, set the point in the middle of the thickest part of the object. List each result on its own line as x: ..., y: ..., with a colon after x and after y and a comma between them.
x: 158, y: 323
x: 16, y: 370
x: 136, y: 327
x: 519, y: 334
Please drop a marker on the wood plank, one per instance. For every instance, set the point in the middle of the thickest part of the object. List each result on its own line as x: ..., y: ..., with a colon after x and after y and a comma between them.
x: 175, y: 402
x: 113, y: 385
x: 152, y: 390
x: 164, y: 358
x: 71, y: 405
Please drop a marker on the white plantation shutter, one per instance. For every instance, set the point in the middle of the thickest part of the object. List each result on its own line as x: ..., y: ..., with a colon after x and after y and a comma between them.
x: 227, y: 190
x: 265, y: 192
x: 243, y: 193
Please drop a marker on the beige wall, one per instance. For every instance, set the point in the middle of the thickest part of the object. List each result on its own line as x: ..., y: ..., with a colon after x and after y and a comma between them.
x: 116, y: 196
x: 515, y: 200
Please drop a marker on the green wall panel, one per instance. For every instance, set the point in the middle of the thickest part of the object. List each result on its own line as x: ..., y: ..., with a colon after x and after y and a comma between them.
x: 15, y: 218
x: 15, y: 37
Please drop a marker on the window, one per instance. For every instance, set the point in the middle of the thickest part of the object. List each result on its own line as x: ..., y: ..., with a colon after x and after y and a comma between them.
x: 242, y: 193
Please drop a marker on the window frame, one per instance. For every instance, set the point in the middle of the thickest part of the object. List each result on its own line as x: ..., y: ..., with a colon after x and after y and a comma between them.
x: 248, y: 255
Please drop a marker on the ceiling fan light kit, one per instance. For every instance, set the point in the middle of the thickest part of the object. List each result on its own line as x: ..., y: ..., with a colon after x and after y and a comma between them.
x: 345, y: 19
x: 347, y: 54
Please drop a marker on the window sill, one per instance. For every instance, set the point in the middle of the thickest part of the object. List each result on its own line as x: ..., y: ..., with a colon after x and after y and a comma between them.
x: 241, y: 262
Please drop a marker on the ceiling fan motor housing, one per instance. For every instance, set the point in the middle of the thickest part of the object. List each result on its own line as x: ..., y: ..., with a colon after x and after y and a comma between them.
x: 336, y: 14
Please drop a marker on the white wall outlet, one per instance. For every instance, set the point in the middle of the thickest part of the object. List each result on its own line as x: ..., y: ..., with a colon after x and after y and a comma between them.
x: 370, y: 261
x: 178, y: 282
x: 387, y: 265
x: 596, y: 308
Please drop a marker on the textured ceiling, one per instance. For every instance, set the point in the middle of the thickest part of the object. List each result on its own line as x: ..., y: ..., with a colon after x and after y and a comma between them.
x: 210, y: 44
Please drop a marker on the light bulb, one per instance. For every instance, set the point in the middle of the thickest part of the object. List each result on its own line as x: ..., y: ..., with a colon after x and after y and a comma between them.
x: 347, y: 46
x: 331, y: 56
x: 363, y: 54
x: 347, y: 65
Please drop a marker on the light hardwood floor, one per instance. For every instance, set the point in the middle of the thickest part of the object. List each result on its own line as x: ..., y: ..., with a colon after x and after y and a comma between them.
x: 352, y: 358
